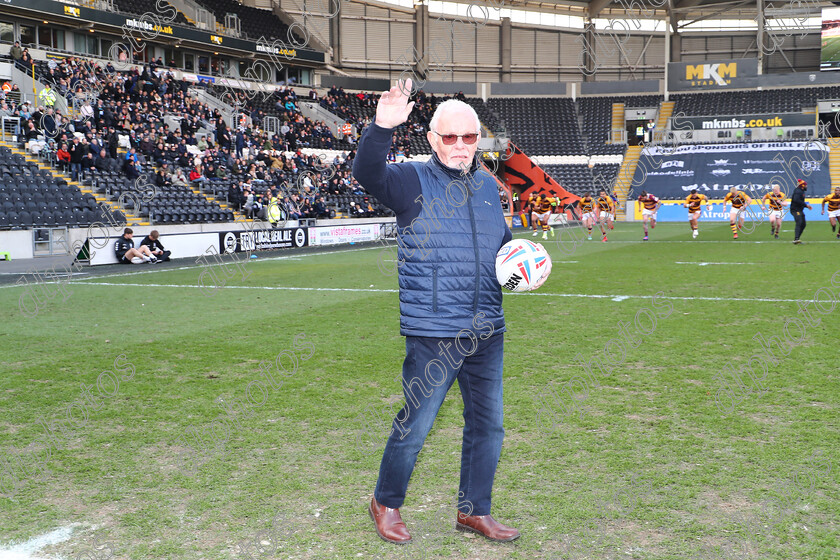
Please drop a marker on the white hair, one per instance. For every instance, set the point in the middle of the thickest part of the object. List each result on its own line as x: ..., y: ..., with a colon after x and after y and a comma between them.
x: 453, y: 105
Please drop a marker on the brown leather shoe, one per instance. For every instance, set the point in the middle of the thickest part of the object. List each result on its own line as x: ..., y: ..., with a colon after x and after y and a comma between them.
x: 389, y: 524
x: 487, y: 526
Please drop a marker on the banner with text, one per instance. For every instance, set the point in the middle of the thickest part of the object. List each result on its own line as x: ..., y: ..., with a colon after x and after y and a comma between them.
x: 712, y: 169
x: 333, y: 235
x: 238, y: 241
x: 755, y: 215
x: 743, y: 121
x: 712, y: 74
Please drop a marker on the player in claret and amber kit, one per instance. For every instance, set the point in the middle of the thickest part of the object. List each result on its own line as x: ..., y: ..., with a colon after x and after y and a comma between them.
x: 649, y: 204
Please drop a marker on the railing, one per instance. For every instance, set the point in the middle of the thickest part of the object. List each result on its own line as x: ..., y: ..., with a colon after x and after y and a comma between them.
x: 9, y: 126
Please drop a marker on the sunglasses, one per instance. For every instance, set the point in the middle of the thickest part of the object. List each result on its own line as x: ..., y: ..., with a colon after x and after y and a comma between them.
x: 450, y: 139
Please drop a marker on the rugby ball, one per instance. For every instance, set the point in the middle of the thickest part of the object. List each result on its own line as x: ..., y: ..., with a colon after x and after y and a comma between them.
x: 520, y: 264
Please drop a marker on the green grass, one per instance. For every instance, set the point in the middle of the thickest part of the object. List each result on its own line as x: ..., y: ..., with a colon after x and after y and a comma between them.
x: 572, y: 493
x: 831, y: 51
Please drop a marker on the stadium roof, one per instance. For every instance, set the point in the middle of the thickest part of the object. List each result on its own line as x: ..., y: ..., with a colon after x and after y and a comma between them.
x: 682, y: 9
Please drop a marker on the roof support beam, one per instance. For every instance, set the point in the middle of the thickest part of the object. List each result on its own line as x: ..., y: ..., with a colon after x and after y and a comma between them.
x: 596, y: 6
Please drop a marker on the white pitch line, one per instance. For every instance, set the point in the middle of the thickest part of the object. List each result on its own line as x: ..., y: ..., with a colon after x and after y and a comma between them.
x: 702, y: 263
x: 194, y: 266
x: 718, y: 242
x: 29, y: 549
x: 614, y: 297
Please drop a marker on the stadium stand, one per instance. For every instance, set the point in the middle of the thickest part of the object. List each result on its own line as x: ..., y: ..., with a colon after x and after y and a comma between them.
x: 596, y: 112
x: 540, y: 125
x: 140, y: 7
x: 136, y: 103
x: 790, y: 100
x: 255, y: 22
x: 31, y: 196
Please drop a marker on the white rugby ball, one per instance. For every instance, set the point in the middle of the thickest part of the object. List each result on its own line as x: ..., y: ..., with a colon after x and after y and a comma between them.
x: 520, y: 264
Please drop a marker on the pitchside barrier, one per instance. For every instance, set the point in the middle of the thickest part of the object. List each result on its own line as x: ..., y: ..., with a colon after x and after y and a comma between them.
x: 672, y: 211
x: 100, y: 250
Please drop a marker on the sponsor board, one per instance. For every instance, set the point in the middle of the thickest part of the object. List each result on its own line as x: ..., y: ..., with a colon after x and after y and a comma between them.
x: 285, y: 238
x: 333, y: 235
x: 712, y: 74
x: 751, y: 167
x: 672, y: 211
x: 743, y: 121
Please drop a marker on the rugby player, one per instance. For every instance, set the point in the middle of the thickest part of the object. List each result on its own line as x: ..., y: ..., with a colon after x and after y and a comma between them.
x: 775, y: 199
x: 534, y: 204
x: 693, y: 202
x: 833, y: 201
x: 605, y: 213
x: 739, y: 201
x: 544, y: 206
x: 587, y: 204
x: 649, y: 205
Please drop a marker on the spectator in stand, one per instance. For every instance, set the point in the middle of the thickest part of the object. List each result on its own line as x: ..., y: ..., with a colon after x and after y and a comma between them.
x: 235, y: 196
x: 321, y: 208
x: 178, y: 178
x: 88, y: 163
x: 33, y: 134
x: 16, y: 52
x: 197, y: 175
x: 103, y: 162
x: 240, y: 142
x: 222, y: 134
x: 26, y: 58
x: 63, y: 158
x: 131, y: 169
x: 47, y: 122
x: 77, y: 154
x: 113, y: 142
x: 162, y: 177
x: 249, y: 201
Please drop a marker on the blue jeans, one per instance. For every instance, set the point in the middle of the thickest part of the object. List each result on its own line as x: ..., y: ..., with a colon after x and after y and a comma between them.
x: 430, y: 368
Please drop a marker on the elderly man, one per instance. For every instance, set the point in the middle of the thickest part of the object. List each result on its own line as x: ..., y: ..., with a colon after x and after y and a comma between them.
x: 451, y: 226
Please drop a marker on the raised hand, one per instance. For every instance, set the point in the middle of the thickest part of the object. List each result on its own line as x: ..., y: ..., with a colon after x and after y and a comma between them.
x: 393, y: 107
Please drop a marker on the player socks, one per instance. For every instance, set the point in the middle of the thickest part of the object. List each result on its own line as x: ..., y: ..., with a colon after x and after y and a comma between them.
x: 734, y: 229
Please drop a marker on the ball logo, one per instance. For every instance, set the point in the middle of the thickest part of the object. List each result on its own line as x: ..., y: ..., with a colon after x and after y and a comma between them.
x: 519, y: 250
x: 513, y: 282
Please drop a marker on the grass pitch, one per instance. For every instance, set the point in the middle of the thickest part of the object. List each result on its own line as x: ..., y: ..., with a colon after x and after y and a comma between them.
x: 646, y: 466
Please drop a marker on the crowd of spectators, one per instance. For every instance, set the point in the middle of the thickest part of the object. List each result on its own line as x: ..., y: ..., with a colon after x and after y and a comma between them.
x: 128, y: 111
x: 202, y: 149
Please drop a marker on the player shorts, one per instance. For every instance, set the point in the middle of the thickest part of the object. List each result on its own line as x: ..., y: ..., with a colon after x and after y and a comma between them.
x: 122, y: 260
x: 604, y: 215
x: 775, y: 214
x: 588, y: 216
x: 543, y: 217
x: 694, y: 215
x: 733, y: 214
x: 834, y: 213
x: 649, y: 214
